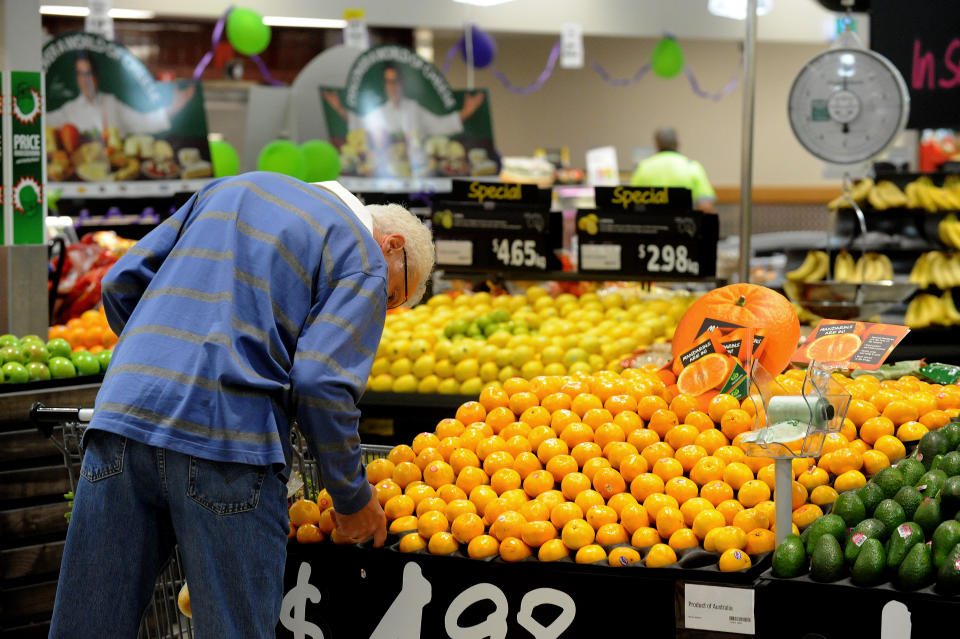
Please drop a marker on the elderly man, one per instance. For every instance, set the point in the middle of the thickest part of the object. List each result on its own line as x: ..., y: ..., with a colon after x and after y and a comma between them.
x: 260, y: 301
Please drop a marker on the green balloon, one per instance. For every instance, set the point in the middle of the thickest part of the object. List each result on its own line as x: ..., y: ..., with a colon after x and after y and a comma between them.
x: 323, y: 160
x: 667, y: 58
x: 246, y: 31
x: 225, y: 159
x: 283, y: 156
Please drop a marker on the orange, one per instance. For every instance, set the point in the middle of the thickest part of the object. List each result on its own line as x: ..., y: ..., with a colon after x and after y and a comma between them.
x: 534, y: 416
x: 645, y: 485
x: 496, y: 461
x: 591, y: 554
x: 669, y: 520
x: 507, y: 524
x: 634, y: 517
x: 430, y: 503
x: 934, y: 419
x: 823, y: 495
x: 589, y: 498
x: 750, y: 519
x: 575, y: 433
x: 707, y: 469
x: 544, y: 385
x: 406, y: 472
x: 592, y: 465
x: 425, y: 440
x: 576, y: 534
x: 705, y: 521
x: 517, y: 445
x: 516, y: 429
x: 585, y: 451
x: 845, y: 459
x: 470, y: 477
x: 682, y: 405
x: 704, y: 374
x: 564, y: 512
x: 874, y: 461
x: 387, y: 489
x: 735, y: 421
x: 438, y: 473
x: 806, y: 515
x: 459, y: 507
x: 657, y: 451
x: 617, y: 404
x: 553, y: 550
x: 642, y: 437
x: 537, y: 482
x: 431, y: 523
x: 540, y: 434
x: 442, y: 543
x: 481, y: 496
x: 551, y: 447
x: 860, y: 411
x: 729, y: 509
x: 515, y: 497
x: 699, y: 419
x: 882, y: 398
x: 505, y: 479
x: 711, y: 439
x: 483, y: 546
x: 859, y: 446
x: 680, y: 488
x: 560, y: 419
x: 620, y: 501
x: 428, y: 455
x: 561, y: 465
x: 521, y: 401
x: 401, y: 453
x: 875, y: 427
x: 516, y: 385
x: 890, y: 446
x: 924, y: 402
x: 499, y: 418
x: 556, y: 401
x: 412, y: 542
x: 683, y: 538
x: 667, y: 468
x: 525, y: 463
x: 608, y: 432
x: 646, y: 406
x: 622, y: 556
x: 615, y: 452
x: 681, y: 435
x: 600, y: 515
x: 585, y: 402
x: 398, y: 506
x: 693, y: 507
x: 724, y: 538
x: 766, y: 475
x: 492, y: 397
x: 403, y: 524
x: 850, y: 480
x: 632, y: 466
x: 848, y: 429
x: 608, y: 482
x: 379, y: 469
x: 911, y: 431
x: 900, y: 412
x: 660, y: 555
x: 303, y: 512
x: 472, y: 436
x: 655, y: 502
x: 645, y: 537
x: 447, y: 446
x: 799, y: 465
x: 735, y: 559
x: 736, y: 474
x: 689, y: 455
x: 716, y: 491
x: 537, y: 533
x: 756, y: 463
x: 535, y: 510
x: 494, y: 509
x: 720, y: 404
x: 628, y: 420
x: 662, y: 421
x: 813, y: 477
x: 753, y: 492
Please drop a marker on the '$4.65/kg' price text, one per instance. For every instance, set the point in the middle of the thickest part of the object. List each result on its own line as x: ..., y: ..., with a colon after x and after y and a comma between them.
x: 518, y: 253
x: 668, y: 259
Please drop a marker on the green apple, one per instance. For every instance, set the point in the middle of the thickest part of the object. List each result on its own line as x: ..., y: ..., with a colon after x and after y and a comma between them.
x: 15, y: 373
x: 26, y: 339
x: 104, y: 358
x: 59, y: 347
x: 12, y: 353
x: 61, y: 367
x: 77, y: 354
x: 38, y: 371
x: 35, y: 351
x: 9, y: 340
x: 86, y: 363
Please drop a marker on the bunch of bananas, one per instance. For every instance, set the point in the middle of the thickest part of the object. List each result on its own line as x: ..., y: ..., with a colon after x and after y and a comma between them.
x: 588, y: 223
x: 922, y: 194
x: 871, y: 267
x: 886, y: 195
x: 815, y: 267
x: 940, y: 269
x: 949, y: 231
x: 926, y: 310
x: 858, y: 192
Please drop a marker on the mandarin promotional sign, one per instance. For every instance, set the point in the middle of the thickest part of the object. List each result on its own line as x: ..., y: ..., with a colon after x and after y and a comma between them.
x: 398, y: 117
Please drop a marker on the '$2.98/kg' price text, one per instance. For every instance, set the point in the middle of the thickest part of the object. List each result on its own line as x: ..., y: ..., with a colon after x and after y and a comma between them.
x: 518, y: 253
x: 668, y: 259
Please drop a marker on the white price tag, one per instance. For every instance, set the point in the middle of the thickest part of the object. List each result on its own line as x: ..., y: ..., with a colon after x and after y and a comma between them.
x: 355, y: 34
x: 455, y: 252
x: 98, y: 20
x: 719, y: 608
x: 600, y: 257
x: 571, y: 45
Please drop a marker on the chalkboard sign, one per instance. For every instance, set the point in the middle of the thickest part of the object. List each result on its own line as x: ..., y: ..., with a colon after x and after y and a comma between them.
x: 922, y: 39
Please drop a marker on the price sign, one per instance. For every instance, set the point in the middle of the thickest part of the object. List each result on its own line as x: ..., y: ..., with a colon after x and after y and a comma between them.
x: 643, y: 198
x: 518, y: 253
x: 667, y: 245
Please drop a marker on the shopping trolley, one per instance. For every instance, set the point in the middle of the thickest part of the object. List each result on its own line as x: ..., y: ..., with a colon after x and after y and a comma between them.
x: 162, y: 619
x: 306, y: 480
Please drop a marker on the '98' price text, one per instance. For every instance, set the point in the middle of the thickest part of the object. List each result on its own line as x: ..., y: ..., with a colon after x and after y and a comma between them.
x: 668, y: 259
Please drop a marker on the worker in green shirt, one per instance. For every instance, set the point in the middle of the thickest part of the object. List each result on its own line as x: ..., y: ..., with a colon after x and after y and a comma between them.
x: 669, y: 168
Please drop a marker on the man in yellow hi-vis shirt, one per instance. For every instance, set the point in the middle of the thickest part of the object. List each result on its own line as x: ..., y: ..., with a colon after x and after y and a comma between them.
x: 669, y: 168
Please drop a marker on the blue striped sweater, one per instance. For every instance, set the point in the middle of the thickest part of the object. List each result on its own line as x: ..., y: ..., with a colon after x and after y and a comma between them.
x: 261, y: 300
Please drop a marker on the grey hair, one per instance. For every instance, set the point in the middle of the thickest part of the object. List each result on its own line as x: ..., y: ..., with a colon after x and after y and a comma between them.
x: 418, y: 242
x: 666, y: 138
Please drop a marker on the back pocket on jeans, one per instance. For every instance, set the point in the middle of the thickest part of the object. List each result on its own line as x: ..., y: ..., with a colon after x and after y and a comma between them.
x: 102, y: 455
x: 225, y: 488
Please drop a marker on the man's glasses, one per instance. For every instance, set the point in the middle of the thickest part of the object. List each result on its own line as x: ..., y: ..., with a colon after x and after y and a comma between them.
x: 406, y: 295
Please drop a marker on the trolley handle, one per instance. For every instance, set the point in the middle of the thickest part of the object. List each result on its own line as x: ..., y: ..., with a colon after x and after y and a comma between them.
x: 45, y: 417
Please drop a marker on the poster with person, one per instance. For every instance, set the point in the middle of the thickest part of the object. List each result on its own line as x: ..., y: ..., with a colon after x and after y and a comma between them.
x: 398, y: 117
x: 109, y: 120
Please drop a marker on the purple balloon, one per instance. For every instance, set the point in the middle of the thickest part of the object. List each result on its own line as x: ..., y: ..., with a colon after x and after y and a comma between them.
x: 484, y: 47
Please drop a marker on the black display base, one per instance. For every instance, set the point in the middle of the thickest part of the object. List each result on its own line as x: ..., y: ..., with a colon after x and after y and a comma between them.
x: 395, y: 418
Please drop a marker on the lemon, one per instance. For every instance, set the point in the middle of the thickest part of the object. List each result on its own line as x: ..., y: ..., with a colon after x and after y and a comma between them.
x: 423, y: 366
x: 417, y: 348
x: 428, y: 384
x: 472, y: 386
x: 405, y: 384
x: 531, y: 369
x: 449, y: 386
x: 443, y: 369
x: 487, y: 353
x: 489, y: 371
x: 580, y: 367
x: 382, y: 382
x: 466, y: 369
x: 521, y: 355
x: 380, y: 365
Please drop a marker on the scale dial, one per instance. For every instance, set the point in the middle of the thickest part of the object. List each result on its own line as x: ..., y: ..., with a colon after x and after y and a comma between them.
x: 848, y: 105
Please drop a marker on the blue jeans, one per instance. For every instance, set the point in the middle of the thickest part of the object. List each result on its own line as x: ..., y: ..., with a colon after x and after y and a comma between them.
x: 133, y: 504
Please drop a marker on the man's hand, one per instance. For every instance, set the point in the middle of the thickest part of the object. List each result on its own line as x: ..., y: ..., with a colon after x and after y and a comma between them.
x: 333, y: 99
x: 470, y: 104
x: 367, y: 522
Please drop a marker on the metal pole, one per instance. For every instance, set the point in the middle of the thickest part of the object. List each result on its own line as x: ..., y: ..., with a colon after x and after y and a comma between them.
x: 746, y: 148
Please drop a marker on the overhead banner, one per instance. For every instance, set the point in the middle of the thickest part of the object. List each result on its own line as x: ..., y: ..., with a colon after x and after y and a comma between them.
x: 108, y: 120
x: 398, y: 117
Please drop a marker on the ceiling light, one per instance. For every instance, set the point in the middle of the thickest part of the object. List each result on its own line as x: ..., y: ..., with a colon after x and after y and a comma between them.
x: 737, y: 9
x: 311, y: 23
x: 483, y: 3
x: 82, y: 12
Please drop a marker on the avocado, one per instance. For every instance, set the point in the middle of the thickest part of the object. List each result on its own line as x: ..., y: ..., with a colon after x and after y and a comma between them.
x: 932, y: 444
x: 789, y: 558
x: 868, y: 569
x: 916, y: 569
x: 912, y: 470
x: 950, y: 497
x: 945, y: 537
x: 871, y: 495
x: 890, y: 479
x: 948, y: 576
x: 826, y: 562
x: 901, y: 541
x: 931, y: 482
x: 850, y: 508
x: 866, y: 529
x: 928, y: 515
x: 952, y: 432
x: 891, y: 514
x: 909, y: 498
x: 832, y: 525
x: 951, y: 463
x: 937, y: 461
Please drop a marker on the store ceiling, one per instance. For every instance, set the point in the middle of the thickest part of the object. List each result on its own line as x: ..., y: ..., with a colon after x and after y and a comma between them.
x: 789, y: 21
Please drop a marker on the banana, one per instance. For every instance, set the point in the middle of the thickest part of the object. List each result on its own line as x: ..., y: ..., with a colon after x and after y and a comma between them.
x: 942, y: 230
x: 950, y: 227
x: 949, y: 307
x: 926, y: 198
x: 939, y: 275
x: 941, y: 198
x: 844, y: 267
x: 821, y: 269
x: 913, y: 316
x: 892, y: 195
x: 861, y: 189
x: 952, y: 264
x: 800, y: 273
x: 876, y: 199
x: 913, y: 199
x: 839, y: 202
x: 935, y: 311
x: 887, y: 272
x: 920, y: 273
x: 951, y: 197
x: 859, y: 268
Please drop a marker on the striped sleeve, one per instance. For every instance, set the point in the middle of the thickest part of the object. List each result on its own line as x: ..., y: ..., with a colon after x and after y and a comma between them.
x: 125, y: 282
x: 332, y: 363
